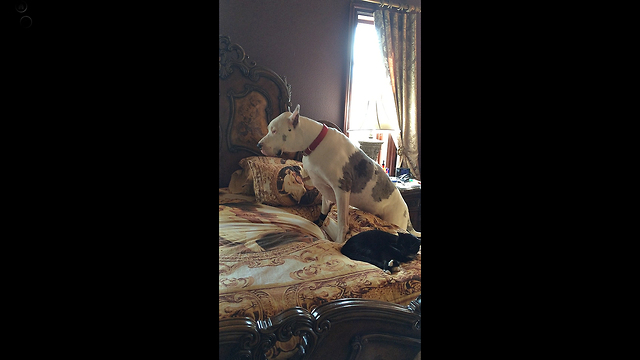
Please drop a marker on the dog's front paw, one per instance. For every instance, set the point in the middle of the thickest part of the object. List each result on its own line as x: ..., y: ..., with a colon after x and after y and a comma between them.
x: 321, y: 219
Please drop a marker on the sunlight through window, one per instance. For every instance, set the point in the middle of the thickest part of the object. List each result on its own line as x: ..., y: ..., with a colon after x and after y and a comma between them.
x: 371, y: 104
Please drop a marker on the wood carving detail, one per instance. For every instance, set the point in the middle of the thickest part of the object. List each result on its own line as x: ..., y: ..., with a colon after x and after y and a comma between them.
x: 236, y: 71
x: 249, y: 115
x: 230, y: 55
x: 295, y: 333
x: 365, y: 346
x: 294, y: 328
x: 233, y: 55
x: 415, y: 306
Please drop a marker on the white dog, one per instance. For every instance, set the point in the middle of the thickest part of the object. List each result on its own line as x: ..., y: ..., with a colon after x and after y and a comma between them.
x: 342, y: 173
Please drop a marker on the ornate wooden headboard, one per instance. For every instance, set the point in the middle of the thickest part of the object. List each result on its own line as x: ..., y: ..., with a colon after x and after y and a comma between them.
x: 250, y: 97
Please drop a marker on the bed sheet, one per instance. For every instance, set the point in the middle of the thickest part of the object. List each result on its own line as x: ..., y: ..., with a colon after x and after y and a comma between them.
x: 271, y: 259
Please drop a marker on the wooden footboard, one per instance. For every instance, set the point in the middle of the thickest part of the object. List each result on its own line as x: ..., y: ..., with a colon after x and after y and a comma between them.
x: 341, y: 329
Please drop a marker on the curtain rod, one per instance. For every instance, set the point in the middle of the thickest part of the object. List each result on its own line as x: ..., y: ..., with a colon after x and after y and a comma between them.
x: 395, y: 5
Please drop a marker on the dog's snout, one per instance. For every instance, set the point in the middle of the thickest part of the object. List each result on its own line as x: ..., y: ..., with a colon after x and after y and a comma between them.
x: 259, y: 145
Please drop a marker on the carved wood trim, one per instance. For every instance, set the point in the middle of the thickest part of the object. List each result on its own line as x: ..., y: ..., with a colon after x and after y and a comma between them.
x: 232, y: 56
x: 359, y: 342
x: 416, y: 306
x: 249, y: 339
x: 235, y: 71
x: 231, y: 145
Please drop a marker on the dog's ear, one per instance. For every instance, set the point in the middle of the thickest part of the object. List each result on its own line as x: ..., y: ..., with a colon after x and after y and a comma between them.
x: 295, y: 117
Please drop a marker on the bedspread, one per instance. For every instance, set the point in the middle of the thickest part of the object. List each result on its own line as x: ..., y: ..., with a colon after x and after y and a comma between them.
x: 272, y: 259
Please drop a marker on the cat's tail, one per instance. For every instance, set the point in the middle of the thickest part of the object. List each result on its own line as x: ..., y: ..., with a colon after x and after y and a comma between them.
x: 413, y: 232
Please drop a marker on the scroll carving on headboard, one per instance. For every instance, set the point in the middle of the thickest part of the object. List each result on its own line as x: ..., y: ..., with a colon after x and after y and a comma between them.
x: 249, y: 115
x: 233, y: 55
x: 253, y: 95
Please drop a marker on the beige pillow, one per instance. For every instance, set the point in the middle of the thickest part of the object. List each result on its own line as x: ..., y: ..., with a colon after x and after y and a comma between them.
x: 282, y: 184
x: 242, y: 180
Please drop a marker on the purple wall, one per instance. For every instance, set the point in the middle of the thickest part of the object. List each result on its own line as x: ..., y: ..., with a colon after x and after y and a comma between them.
x: 306, y: 41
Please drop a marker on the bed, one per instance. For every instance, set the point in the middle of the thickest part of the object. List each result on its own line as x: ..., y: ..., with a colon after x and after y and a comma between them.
x: 285, y: 290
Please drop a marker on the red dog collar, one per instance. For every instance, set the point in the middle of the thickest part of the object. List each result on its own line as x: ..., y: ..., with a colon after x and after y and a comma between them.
x: 317, y: 141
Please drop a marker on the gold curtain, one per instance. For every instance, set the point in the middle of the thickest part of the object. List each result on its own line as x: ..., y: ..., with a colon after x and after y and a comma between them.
x: 397, y: 35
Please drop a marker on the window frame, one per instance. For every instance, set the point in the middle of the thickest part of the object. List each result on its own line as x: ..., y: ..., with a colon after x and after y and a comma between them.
x: 356, y: 9
x: 367, y: 9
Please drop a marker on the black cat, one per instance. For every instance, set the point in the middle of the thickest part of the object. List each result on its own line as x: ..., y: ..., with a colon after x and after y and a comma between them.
x: 381, y: 248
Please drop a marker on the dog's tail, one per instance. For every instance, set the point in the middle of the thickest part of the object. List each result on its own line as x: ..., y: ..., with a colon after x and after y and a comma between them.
x: 413, y: 232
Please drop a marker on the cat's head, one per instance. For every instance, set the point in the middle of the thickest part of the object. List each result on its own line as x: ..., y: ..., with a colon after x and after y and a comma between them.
x: 409, y: 243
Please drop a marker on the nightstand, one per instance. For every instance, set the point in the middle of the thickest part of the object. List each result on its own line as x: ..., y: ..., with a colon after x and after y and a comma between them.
x: 412, y: 198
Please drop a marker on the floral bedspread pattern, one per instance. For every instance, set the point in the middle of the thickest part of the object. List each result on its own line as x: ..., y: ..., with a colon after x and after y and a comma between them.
x: 272, y: 259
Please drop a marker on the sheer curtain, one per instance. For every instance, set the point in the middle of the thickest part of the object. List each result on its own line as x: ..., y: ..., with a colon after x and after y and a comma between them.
x: 397, y: 34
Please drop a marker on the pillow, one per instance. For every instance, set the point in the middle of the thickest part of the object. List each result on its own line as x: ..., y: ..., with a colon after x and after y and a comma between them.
x: 244, y: 162
x: 283, y: 184
x: 242, y: 180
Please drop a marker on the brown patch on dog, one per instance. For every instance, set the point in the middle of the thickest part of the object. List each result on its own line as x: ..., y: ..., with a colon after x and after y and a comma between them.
x: 384, y: 187
x: 358, y: 170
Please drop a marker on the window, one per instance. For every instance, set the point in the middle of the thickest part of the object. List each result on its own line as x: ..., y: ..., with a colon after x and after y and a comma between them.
x: 370, y: 102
